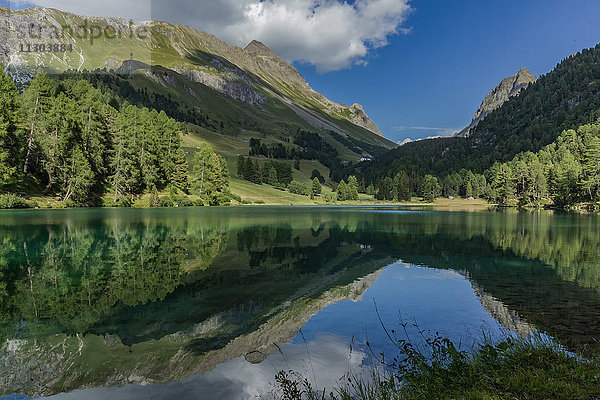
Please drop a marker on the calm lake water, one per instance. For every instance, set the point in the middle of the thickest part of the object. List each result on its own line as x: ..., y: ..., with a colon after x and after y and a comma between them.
x: 210, y: 303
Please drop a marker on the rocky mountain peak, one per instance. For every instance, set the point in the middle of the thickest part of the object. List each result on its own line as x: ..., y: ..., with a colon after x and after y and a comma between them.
x: 247, y: 74
x: 506, y: 89
x: 257, y: 48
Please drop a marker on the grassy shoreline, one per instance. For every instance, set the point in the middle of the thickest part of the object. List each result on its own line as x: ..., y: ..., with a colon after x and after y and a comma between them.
x: 512, y: 368
x: 247, y: 193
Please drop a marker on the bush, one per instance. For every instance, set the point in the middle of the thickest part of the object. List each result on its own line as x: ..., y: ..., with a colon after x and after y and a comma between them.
x: 299, y: 188
x: 12, y: 201
x: 70, y: 204
x: 123, y: 201
x: 330, y: 197
x: 183, y: 201
x: 165, y: 201
x: 198, y: 203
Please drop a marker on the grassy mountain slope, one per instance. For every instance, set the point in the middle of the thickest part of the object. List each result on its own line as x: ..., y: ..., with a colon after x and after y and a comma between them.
x: 192, y: 75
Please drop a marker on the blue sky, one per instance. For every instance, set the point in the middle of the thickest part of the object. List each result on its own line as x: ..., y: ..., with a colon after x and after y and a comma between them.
x: 426, y: 80
x: 455, y: 53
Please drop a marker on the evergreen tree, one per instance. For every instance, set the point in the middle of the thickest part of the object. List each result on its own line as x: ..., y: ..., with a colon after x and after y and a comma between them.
x: 317, y: 174
x: 352, y: 188
x: 401, y: 187
x: 271, y: 177
x: 206, y: 170
x: 342, y: 191
x: 503, y: 184
x: 241, y: 166
x: 79, y: 178
x: 10, y: 143
x: 385, y: 189
x: 36, y: 103
x: 591, y: 169
x: 179, y: 175
x: 431, y: 188
x: 566, y: 179
x: 316, y: 187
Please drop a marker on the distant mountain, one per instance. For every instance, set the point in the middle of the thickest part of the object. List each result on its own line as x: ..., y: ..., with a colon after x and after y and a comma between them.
x: 506, y: 89
x: 200, y: 78
x: 565, y: 98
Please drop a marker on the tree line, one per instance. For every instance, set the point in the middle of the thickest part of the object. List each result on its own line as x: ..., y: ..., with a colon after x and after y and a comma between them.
x: 564, y: 173
x: 565, y: 98
x: 68, y: 139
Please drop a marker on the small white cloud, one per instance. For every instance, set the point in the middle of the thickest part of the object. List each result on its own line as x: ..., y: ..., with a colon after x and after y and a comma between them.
x: 403, y: 142
x: 439, y: 132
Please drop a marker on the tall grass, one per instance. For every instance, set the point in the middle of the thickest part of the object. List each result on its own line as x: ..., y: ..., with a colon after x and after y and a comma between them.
x: 433, y: 367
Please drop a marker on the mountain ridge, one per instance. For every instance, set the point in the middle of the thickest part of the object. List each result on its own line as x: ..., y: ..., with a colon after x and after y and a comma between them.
x: 176, y: 47
x: 507, y: 88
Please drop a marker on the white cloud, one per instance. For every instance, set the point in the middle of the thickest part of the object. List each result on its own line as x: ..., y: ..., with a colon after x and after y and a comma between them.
x: 330, y: 34
x: 438, y: 132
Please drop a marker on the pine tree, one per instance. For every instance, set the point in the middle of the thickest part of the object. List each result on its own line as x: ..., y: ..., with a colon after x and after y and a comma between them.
x: 566, y: 178
x: 316, y: 187
x: 271, y: 177
x: 503, y: 184
x: 591, y: 169
x: 205, y: 169
x: 431, y: 188
x: 401, y: 187
x: 36, y: 103
x: 385, y: 189
x: 468, y: 190
x: 352, y: 188
x: 179, y: 176
x: 241, y: 166
x: 342, y: 191
x: 10, y: 143
x: 79, y: 178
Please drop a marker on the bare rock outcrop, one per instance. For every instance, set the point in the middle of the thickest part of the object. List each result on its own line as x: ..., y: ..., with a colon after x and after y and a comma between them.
x: 506, y: 89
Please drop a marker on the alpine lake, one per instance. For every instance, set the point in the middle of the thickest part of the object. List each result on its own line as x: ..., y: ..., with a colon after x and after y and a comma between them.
x: 210, y: 303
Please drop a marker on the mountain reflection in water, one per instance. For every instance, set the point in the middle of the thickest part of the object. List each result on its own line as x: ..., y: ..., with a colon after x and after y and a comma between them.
x: 187, y: 299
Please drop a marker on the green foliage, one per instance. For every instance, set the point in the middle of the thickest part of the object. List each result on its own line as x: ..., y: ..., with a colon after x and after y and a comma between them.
x: 274, y: 173
x: 564, y: 173
x: 300, y: 188
x: 352, y: 188
x: 12, y: 201
x: 283, y: 172
x: 78, y: 146
x: 10, y: 147
x: 401, y: 187
x: 433, y: 367
x: 430, y: 189
x: 211, y: 176
x: 316, y: 187
x: 385, y: 189
x: 563, y: 99
x: 348, y: 191
x: 317, y: 174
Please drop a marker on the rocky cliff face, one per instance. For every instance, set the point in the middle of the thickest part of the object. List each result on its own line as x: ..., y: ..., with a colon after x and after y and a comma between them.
x: 248, y: 74
x: 506, y: 89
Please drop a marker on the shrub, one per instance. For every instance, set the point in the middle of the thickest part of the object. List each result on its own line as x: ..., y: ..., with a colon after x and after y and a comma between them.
x: 12, y: 201
x: 183, y: 201
x: 165, y: 201
x: 299, y: 188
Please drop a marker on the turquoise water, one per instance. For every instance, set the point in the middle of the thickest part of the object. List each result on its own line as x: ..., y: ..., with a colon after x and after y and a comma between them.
x: 212, y: 302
